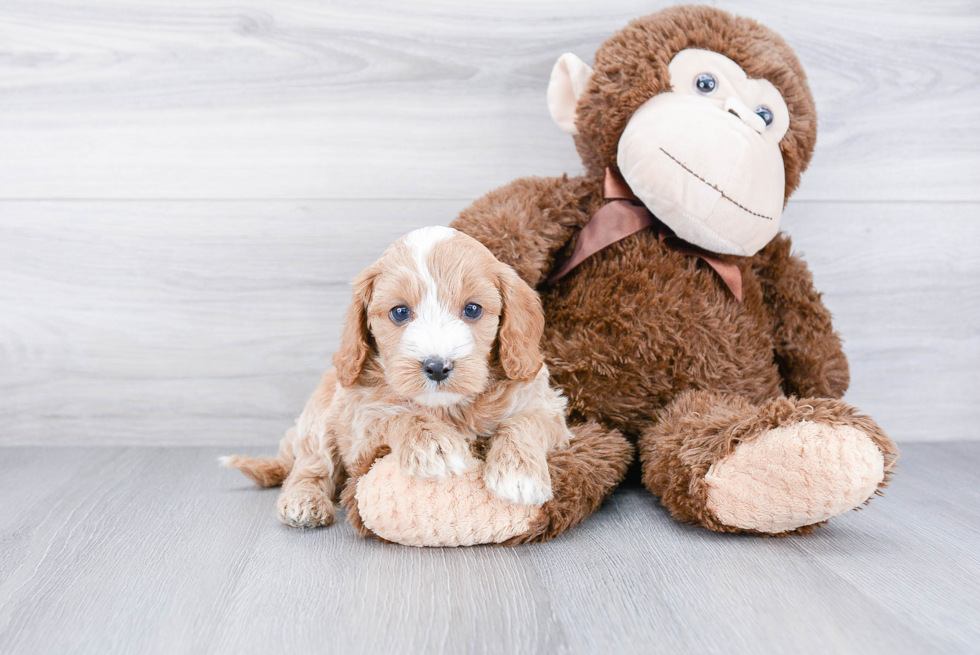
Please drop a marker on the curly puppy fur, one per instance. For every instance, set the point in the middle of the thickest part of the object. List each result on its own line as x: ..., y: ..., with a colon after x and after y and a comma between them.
x: 383, y: 392
x: 637, y: 325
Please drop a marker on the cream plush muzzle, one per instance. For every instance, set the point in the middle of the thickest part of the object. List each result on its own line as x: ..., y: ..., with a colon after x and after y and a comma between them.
x: 704, y: 163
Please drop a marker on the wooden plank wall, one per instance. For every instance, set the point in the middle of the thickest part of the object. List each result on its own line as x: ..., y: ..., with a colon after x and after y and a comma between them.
x: 186, y: 188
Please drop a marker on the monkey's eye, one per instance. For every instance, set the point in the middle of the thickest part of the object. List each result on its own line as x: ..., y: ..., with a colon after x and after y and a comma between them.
x: 472, y: 311
x: 400, y: 314
x: 765, y: 114
x: 705, y: 84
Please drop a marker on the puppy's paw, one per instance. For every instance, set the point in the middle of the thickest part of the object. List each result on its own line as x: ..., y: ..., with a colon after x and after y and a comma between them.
x: 518, y: 480
x: 305, y: 508
x: 435, y: 456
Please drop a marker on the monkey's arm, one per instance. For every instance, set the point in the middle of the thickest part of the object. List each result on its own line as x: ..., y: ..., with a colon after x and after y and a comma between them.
x: 808, y: 351
x: 529, y: 220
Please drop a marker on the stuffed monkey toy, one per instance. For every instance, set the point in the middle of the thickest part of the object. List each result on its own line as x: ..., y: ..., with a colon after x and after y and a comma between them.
x: 676, y: 315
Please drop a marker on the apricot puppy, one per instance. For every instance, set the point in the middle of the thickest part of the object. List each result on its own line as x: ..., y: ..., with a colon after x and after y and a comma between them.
x: 441, y: 345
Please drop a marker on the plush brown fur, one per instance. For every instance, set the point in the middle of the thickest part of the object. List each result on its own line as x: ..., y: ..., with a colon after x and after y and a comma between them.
x: 637, y: 327
x: 638, y: 322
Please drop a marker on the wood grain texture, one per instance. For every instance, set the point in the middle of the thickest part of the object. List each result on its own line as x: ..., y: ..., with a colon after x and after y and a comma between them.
x: 903, y: 283
x: 168, y: 320
x: 427, y: 99
x: 114, y: 550
x: 177, y: 322
x: 211, y: 322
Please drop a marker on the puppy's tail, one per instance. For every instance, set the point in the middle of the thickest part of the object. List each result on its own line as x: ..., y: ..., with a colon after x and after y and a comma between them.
x: 264, y: 471
x: 272, y: 471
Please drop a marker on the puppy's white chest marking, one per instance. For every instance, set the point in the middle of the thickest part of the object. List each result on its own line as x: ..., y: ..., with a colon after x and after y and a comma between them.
x: 439, y: 398
x: 437, y: 330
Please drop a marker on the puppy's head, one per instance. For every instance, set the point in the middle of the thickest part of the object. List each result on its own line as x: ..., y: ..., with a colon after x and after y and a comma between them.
x: 435, y: 310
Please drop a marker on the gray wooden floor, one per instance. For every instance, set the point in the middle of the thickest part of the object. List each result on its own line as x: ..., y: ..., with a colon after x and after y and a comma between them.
x: 156, y: 550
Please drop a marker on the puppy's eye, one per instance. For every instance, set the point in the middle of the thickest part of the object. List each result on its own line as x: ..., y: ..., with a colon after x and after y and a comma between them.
x: 705, y: 84
x: 765, y: 114
x: 472, y: 311
x: 400, y: 314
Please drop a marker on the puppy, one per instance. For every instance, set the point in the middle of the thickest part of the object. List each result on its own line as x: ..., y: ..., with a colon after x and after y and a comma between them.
x: 440, y: 346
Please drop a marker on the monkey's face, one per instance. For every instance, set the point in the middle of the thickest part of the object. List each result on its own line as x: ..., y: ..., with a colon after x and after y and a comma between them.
x: 703, y: 157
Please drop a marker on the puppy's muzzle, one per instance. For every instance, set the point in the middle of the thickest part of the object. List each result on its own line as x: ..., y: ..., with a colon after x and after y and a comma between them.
x: 436, y: 368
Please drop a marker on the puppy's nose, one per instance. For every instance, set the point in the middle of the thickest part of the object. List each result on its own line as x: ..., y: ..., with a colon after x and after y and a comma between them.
x: 436, y: 368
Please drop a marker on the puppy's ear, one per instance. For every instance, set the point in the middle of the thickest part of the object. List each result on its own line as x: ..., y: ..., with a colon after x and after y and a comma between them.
x: 521, y: 327
x: 354, y: 344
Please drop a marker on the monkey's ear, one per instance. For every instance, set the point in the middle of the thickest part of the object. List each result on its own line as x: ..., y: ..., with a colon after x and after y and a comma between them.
x: 569, y: 78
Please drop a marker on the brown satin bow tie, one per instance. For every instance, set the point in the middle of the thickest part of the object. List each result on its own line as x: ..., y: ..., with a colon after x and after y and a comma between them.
x: 624, y: 215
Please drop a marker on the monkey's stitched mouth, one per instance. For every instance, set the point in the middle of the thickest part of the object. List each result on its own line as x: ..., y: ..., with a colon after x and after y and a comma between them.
x: 742, y: 207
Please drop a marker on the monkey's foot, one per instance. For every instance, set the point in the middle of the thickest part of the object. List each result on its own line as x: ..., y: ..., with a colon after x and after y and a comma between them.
x: 720, y: 461
x: 794, y: 476
x: 462, y: 511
